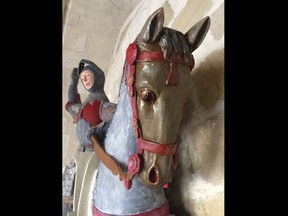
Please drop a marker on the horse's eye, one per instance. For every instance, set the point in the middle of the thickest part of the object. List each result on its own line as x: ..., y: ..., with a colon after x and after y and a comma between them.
x: 148, y: 96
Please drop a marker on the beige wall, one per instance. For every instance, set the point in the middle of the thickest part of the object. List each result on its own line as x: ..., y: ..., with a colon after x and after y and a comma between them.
x: 101, y: 31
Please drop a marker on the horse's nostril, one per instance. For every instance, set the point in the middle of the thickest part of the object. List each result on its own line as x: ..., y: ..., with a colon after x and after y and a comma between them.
x: 153, y: 175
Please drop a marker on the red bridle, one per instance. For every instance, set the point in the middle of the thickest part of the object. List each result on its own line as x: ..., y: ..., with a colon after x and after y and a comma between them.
x: 133, y: 56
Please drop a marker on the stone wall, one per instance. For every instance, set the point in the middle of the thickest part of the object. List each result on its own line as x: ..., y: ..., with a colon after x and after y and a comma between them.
x: 102, y: 30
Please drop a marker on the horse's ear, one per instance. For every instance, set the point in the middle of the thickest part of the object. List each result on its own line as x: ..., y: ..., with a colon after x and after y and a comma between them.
x: 197, y: 33
x: 153, y: 26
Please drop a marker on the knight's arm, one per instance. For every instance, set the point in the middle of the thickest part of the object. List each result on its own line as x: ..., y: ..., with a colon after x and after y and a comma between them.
x: 73, y: 104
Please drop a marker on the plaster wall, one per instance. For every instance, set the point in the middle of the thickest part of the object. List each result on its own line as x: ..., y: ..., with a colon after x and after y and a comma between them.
x: 101, y: 31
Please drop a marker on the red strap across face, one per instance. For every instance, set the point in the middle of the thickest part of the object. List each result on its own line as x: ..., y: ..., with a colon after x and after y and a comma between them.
x: 171, y: 79
x: 156, y: 148
x: 146, y: 56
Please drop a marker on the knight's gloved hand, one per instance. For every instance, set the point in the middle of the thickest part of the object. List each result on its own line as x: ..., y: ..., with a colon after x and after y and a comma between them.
x: 74, y: 77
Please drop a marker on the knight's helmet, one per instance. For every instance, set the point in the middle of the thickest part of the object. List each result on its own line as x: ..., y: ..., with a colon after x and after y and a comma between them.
x: 99, y: 75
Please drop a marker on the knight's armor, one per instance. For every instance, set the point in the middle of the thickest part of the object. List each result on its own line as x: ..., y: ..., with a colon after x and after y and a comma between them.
x: 93, y: 116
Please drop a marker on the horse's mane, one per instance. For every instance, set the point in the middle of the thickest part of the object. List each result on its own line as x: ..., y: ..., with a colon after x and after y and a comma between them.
x: 173, y: 40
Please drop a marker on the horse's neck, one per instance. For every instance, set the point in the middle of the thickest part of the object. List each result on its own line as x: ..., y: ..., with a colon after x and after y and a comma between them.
x: 120, y: 141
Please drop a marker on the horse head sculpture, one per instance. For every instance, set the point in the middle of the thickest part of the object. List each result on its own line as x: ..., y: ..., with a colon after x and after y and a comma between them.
x: 164, y: 60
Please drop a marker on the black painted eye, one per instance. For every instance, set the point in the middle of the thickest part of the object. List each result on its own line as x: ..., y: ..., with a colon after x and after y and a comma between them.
x: 148, y: 96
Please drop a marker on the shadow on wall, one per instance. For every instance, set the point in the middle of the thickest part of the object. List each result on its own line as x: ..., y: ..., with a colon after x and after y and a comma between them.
x: 207, y: 89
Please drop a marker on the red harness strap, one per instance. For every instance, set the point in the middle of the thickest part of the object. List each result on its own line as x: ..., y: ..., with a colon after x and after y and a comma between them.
x: 145, y: 56
x: 158, y: 56
x: 156, y: 148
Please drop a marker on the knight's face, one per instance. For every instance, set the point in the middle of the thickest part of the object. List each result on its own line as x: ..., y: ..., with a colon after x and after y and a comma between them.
x: 87, y: 79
